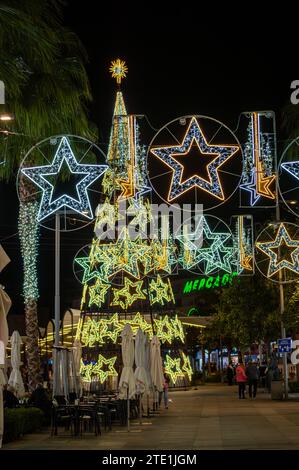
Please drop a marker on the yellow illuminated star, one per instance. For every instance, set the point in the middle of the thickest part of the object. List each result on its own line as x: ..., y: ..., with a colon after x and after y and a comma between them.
x: 186, y: 367
x: 173, y: 368
x: 118, y: 70
x: 113, y: 328
x: 97, y: 293
x: 138, y: 322
x: 279, y: 250
x: 161, y: 291
x: 164, y: 329
x: 177, y: 327
x: 126, y: 293
x: 109, y: 372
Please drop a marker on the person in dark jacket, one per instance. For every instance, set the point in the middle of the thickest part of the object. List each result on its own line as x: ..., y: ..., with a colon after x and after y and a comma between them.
x: 9, y: 399
x: 230, y: 374
x: 253, y: 375
x: 41, y: 400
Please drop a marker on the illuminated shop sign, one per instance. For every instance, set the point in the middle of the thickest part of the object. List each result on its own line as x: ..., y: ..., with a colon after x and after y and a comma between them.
x: 208, y: 282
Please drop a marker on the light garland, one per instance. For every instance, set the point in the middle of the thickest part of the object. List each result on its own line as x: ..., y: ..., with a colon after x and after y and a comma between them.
x: 193, y: 135
x: 29, y: 233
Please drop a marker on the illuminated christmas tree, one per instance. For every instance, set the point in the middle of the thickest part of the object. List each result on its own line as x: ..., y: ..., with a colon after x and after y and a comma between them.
x: 126, y: 275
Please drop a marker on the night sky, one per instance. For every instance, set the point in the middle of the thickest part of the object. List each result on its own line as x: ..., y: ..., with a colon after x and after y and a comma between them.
x: 178, y: 65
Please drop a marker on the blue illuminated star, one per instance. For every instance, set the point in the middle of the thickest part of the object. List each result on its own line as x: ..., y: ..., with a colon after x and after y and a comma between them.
x: 212, y: 185
x: 88, y: 175
x: 250, y: 186
x: 292, y: 168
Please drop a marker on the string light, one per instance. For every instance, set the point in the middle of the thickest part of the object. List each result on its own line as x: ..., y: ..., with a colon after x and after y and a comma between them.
x: 257, y: 176
x: 88, y: 175
x: 243, y: 242
x: 212, y: 185
x: 29, y: 233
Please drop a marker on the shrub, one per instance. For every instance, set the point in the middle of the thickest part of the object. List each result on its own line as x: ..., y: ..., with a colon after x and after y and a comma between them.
x: 294, y: 387
x: 19, y: 421
x: 213, y: 378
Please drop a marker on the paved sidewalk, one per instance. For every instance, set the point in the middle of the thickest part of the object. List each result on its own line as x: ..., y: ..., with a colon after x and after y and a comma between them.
x: 211, y: 417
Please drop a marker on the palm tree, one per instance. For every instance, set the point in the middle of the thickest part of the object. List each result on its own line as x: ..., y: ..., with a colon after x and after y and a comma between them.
x: 47, y: 90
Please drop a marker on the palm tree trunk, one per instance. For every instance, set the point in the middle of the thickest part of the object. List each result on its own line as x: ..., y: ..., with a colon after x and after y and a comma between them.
x: 32, y: 349
x: 28, y: 234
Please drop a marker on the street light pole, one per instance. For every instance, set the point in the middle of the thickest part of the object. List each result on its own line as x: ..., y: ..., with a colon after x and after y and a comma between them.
x: 281, y: 289
x: 57, y: 278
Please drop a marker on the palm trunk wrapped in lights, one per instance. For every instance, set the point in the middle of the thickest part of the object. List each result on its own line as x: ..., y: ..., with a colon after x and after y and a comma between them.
x: 28, y: 233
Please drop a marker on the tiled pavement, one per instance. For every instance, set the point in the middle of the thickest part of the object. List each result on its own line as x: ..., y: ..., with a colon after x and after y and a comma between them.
x: 211, y: 417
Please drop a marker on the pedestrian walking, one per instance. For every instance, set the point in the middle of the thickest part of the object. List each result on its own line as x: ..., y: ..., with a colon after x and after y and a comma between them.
x: 241, y: 379
x: 165, y: 390
x: 253, y: 376
x: 230, y: 374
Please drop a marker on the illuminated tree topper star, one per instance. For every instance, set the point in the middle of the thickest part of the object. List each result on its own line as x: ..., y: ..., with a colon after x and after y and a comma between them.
x: 276, y: 264
x: 88, y: 175
x: 118, y: 70
x: 221, y: 152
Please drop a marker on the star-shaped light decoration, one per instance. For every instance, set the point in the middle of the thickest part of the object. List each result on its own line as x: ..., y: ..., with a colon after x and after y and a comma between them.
x: 113, y: 328
x: 88, y: 175
x: 173, y: 368
x: 186, y: 367
x: 138, y: 322
x: 292, y: 168
x: 243, y: 246
x: 160, y: 291
x: 271, y: 249
x: 118, y: 70
x: 110, y: 371
x: 164, y: 329
x: 127, y: 295
x: 126, y: 255
x: 257, y: 158
x: 177, y: 327
x: 106, y: 213
x: 93, y: 332
x: 194, y: 135
x: 87, y: 371
x: 206, y: 247
x: 97, y: 293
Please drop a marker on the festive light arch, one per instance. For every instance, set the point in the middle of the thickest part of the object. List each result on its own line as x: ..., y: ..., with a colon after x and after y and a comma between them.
x: 88, y: 175
x: 213, y: 185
